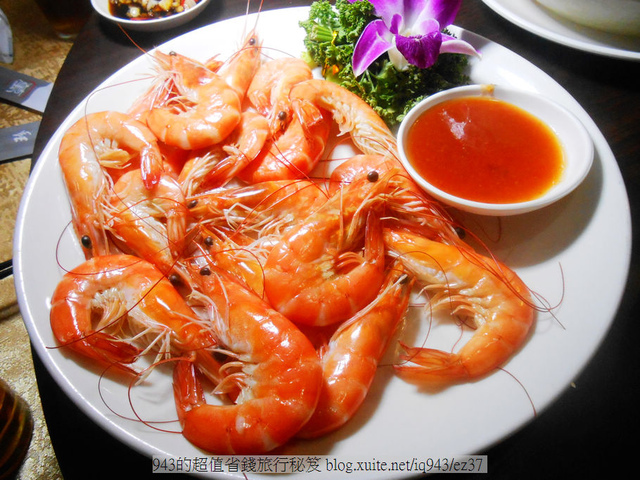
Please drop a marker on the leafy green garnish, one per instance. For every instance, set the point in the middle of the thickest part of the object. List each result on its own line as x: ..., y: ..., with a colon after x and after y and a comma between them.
x: 331, y: 35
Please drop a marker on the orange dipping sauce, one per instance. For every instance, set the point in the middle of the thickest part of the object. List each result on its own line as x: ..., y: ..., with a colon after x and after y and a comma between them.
x: 485, y: 150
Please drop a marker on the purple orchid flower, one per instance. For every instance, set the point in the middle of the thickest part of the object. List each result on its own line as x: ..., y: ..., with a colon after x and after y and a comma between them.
x: 410, y: 31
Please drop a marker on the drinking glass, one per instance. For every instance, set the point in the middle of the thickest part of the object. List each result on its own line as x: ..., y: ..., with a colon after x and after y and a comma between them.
x: 67, y: 17
x: 16, y: 428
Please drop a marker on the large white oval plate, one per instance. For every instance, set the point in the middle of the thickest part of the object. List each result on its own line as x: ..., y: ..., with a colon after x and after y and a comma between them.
x: 397, y: 422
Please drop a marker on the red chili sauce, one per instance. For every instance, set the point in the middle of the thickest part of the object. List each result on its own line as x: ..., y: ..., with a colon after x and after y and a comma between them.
x: 486, y: 150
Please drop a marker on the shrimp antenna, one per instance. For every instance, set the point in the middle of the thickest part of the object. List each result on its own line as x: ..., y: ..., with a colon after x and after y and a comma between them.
x: 526, y: 392
x: 132, y: 40
x: 259, y: 10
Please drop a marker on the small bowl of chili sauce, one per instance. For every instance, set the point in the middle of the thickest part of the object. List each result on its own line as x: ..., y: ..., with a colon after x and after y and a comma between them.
x: 494, y: 150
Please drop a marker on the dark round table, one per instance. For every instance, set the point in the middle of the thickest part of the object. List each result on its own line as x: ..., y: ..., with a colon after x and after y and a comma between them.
x: 589, y: 429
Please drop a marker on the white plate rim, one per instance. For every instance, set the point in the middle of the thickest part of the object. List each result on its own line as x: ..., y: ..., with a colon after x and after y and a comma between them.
x: 338, y: 445
x: 543, y: 23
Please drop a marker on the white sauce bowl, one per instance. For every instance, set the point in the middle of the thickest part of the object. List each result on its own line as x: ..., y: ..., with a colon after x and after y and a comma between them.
x: 575, y: 141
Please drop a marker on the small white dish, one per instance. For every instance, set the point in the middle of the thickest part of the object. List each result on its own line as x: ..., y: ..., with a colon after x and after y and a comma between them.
x: 153, y: 25
x: 575, y: 141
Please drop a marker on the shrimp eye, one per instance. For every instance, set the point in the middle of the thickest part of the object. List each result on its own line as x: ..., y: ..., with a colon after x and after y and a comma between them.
x: 192, y: 203
x: 205, y: 271
x: 208, y: 241
x: 460, y: 232
x: 172, y: 53
x: 372, y: 176
x: 252, y: 41
x: 174, y: 279
x: 282, y: 115
x: 86, y: 241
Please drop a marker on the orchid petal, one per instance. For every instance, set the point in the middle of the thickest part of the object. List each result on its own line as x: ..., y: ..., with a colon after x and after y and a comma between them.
x: 386, y: 9
x: 416, y: 11
x: 454, y: 45
x: 395, y: 24
x: 375, y: 40
x: 444, y: 11
x: 425, y: 27
x: 421, y: 51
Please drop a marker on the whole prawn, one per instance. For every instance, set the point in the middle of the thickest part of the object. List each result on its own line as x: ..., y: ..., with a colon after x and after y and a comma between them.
x: 97, y: 303
x: 353, y: 115
x: 314, y: 275
x: 171, y: 71
x: 277, y: 374
x: 96, y: 142
x: 150, y: 223
x: 209, y: 104
x: 465, y: 284
x: 350, y: 358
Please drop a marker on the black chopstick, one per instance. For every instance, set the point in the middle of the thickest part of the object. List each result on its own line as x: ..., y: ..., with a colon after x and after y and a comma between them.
x: 6, y: 268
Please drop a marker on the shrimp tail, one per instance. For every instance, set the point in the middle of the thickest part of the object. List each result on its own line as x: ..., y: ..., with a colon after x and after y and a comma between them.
x: 151, y: 167
x: 187, y: 388
x: 430, y: 366
x: 106, y: 350
x: 308, y: 114
x: 110, y: 351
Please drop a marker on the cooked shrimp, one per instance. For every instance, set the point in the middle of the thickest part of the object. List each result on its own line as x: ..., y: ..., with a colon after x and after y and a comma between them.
x: 217, y: 166
x: 104, y: 297
x: 292, y: 154
x: 352, y: 114
x: 94, y: 143
x: 208, y: 105
x: 467, y: 284
x: 170, y: 68
x: 270, y: 88
x: 239, y: 226
x: 203, y: 115
x: 350, y: 358
x: 150, y: 223
x: 278, y: 375
x: 314, y: 275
